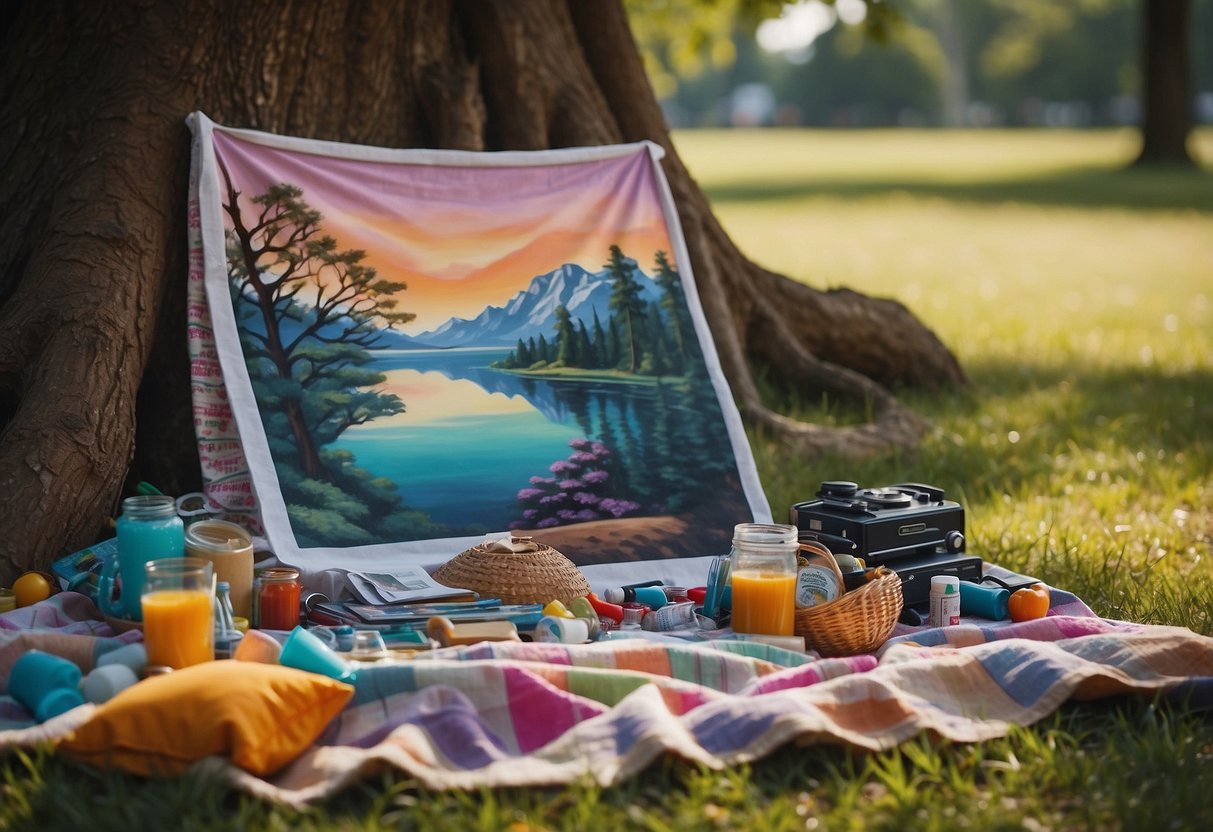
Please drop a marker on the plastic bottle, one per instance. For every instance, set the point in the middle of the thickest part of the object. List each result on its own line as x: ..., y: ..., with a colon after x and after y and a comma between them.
x: 224, y: 619
x: 226, y: 634
x: 944, y: 608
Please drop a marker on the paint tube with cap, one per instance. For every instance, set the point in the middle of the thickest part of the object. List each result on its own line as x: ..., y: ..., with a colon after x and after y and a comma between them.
x: 679, y: 616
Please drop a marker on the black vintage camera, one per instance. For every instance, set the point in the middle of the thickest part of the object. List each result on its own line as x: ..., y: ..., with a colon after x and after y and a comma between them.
x: 908, y: 527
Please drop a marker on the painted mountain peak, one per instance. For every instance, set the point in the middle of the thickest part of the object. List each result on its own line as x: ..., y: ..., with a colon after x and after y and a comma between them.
x: 532, y: 311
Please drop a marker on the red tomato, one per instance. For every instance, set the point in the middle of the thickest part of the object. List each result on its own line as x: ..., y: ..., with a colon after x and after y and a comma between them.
x: 1029, y: 603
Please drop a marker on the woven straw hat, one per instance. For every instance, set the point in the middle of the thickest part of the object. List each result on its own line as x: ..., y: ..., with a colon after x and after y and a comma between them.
x: 518, y: 571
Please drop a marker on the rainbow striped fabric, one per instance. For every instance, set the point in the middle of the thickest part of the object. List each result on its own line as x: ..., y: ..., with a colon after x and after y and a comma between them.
x: 527, y: 714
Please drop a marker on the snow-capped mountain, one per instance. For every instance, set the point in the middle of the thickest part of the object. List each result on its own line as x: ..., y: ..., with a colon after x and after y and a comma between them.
x: 532, y: 312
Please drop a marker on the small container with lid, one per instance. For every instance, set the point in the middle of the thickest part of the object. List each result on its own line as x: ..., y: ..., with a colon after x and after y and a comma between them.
x: 562, y: 630
x: 230, y: 549
x: 818, y: 579
x: 944, y: 601
x: 633, y: 616
x: 763, y: 576
x: 278, y: 598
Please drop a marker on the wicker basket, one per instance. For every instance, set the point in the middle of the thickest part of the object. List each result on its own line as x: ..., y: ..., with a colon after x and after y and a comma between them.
x: 856, y: 622
x: 518, y: 571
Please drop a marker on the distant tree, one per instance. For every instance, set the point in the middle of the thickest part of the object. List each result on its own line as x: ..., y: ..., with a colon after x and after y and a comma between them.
x: 614, y: 343
x: 601, y: 347
x: 1166, y: 65
x: 626, y: 303
x: 674, y: 304
x: 983, y: 51
x: 585, y: 350
x: 565, y: 335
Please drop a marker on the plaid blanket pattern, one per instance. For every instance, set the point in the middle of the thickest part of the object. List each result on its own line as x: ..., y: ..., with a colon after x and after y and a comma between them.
x: 515, y: 714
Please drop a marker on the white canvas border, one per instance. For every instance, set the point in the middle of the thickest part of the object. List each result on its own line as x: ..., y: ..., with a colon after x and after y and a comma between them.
x: 431, y: 552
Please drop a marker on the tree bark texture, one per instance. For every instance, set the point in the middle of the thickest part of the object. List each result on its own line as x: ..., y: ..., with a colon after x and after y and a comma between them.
x: 94, y: 378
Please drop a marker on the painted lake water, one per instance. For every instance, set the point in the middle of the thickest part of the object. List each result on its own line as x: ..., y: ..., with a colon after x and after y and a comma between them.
x: 471, y: 436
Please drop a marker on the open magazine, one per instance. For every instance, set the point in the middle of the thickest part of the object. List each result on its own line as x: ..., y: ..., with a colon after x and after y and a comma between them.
x: 407, y: 585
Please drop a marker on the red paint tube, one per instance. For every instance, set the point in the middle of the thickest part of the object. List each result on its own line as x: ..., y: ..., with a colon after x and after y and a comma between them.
x: 604, y: 609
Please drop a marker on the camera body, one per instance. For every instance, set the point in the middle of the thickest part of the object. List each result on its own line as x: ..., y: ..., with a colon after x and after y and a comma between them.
x: 909, y: 527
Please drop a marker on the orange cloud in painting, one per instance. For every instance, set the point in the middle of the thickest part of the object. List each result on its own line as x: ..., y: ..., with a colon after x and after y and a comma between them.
x: 465, y: 238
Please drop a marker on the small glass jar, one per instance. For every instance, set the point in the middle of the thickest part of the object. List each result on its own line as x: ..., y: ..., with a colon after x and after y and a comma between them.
x: 149, y: 528
x: 763, y: 576
x: 278, y: 598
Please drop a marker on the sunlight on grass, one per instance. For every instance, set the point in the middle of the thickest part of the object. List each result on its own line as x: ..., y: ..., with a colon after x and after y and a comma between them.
x: 1082, y: 451
x: 720, y: 157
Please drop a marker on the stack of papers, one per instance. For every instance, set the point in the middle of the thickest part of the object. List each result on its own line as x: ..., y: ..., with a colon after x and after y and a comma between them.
x: 406, y: 598
x: 409, y: 585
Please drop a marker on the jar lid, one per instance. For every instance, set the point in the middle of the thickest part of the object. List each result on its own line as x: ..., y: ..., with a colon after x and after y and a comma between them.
x: 149, y: 507
x: 764, y: 533
x: 945, y: 585
x: 218, y: 536
x: 279, y: 574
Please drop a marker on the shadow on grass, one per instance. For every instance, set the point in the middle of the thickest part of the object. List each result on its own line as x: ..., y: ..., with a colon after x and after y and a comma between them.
x: 1142, y: 406
x: 1017, y: 429
x: 1140, y: 189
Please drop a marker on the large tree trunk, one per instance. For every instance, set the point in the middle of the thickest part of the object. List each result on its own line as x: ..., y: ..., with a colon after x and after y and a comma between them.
x: 94, y: 380
x: 1167, y: 117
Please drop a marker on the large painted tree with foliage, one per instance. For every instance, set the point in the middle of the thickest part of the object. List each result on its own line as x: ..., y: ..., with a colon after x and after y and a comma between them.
x: 94, y: 379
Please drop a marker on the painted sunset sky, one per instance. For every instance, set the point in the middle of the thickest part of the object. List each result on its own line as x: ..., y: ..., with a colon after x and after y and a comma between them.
x: 463, y: 238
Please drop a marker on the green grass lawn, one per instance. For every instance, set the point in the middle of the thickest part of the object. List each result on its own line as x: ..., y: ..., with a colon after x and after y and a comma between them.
x: 1079, y: 298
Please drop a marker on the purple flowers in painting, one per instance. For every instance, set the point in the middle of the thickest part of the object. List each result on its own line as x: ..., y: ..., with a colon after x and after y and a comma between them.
x: 579, y: 492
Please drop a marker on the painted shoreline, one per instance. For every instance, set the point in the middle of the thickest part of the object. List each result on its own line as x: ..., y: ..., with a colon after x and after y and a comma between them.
x: 605, y: 376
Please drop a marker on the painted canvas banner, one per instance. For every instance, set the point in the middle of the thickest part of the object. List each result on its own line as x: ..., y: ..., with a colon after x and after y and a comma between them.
x: 399, y: 353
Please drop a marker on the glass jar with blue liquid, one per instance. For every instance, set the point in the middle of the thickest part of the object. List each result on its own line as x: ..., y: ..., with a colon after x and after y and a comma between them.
x: 147, y: 529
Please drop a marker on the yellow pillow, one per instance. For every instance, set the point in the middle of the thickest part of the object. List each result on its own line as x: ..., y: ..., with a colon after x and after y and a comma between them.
x: 263, y: 715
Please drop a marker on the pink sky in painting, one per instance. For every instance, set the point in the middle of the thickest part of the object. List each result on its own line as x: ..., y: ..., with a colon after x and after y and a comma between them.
x: 464, y: 238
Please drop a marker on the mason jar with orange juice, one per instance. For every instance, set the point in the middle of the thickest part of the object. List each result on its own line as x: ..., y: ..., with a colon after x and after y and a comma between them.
x: 763, y: 574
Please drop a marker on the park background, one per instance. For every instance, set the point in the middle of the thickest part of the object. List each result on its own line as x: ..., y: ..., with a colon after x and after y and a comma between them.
x: 1074, y: 288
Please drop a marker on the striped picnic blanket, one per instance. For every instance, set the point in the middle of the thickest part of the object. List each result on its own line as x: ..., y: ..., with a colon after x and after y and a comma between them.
x: 527, y: 714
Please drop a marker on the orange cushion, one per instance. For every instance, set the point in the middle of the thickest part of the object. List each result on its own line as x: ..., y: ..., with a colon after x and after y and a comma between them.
x: 262, y: 715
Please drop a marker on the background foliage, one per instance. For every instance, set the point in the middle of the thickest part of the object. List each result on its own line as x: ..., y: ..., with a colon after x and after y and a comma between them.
x: 906, y: 62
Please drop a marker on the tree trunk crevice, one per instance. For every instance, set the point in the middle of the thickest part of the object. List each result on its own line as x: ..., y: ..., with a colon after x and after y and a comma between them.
x: 94, y: 377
